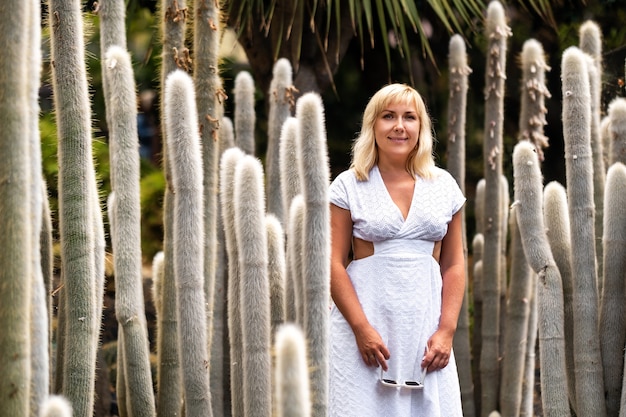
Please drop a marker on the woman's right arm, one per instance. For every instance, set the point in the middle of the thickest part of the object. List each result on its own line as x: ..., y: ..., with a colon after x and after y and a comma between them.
x: 370, y: 344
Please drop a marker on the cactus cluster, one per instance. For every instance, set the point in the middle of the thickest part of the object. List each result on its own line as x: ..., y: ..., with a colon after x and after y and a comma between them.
x: 241, y: 288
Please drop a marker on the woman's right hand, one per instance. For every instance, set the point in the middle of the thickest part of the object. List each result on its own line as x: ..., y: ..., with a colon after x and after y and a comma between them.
x: 371, y: 346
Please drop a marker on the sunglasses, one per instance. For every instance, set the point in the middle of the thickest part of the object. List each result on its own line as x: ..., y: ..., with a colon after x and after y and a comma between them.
x: 410, y: 384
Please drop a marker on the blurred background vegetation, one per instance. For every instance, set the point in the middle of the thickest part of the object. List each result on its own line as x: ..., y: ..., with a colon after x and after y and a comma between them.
x: 360, y: 71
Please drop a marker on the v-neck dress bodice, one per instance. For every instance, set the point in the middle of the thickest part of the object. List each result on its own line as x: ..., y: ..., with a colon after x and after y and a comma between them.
x: 399, y: 288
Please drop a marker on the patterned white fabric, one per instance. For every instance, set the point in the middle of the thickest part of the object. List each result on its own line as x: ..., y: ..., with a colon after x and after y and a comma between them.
x: 399, y: 288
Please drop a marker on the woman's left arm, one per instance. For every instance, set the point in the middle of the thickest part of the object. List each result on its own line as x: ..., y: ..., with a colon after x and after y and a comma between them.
x: 452, y: 264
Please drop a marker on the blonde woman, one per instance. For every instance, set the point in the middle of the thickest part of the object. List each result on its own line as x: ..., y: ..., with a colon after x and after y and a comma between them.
x: 397, y: 268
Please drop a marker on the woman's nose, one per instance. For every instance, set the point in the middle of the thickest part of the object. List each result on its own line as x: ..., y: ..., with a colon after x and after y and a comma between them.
x: 399, y: 125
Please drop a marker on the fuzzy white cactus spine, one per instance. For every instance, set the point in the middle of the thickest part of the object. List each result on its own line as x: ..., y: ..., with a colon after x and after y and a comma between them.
x: 527, y: 408
x: 112, y: 17
x: 617, y: 130
x: 281, y: 101
x: 293, y: 397
x: 497, y: 31
x: 56, y: 406
x: 315, y: 175
x: 250, y: 230
x: 556, y: 218
x: 15, y: 205
x: 79, y: 215
x: 276, y: 269
x: 245, y: 115
x: 181, y: 121
x: 529, y: 206
x: 579, y: 175
x: 228, y: 163
x: 612, y: 308
x: 126, y: 235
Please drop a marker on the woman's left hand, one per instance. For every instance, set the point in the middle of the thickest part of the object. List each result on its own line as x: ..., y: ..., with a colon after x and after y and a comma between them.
x: 439, y: 348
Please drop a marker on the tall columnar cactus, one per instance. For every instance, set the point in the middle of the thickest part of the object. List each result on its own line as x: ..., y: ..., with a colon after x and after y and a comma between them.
x: 529, y: 205
x: 293, y: 397
x: 228, y: 163
x: 183, y: 139
x: 15, y: 206
x: 314, y: 172
x: 219, y: 369
x: 249, y: 202
x: 173, y: 17
x: 245, y: 115
x: 276, y: 269
x: 591, y: 43
x: 612, y: 309
x: 520, y: 292
x: 527, y: 408
x: 617, y: 130
x: 533, y: 111
x: 112, y: 16
x: 209, y: 95
x: 497, y: 32
x: 556, y: 218
x: 40, y: 302
x: 80, y: 217
x: 281, y: 101
x: 290, y: 187
x: 478, y: 243
x: 126, y: 229
x: 579, y: 174
x: 295, y: 259
x: 458, y: 85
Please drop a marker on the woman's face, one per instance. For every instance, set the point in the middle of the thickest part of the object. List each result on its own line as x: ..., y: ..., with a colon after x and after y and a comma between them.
x: 397, y: 130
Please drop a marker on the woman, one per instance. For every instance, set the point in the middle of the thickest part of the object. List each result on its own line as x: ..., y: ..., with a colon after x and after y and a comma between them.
x: 396, y: 304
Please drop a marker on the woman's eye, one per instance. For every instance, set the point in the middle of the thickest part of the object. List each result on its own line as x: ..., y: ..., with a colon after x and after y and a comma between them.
x: 387, y: 116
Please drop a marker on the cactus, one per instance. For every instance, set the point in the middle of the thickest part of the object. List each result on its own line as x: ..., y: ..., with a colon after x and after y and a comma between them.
x: 245, y: 116
x: 314, y: 172
x: 228, y: 162
x: 520, y: 292
x: 534, y: 92
x: 56, y: 406
x: 250, y: 231
x: 276, y: 269
x: 291, y: 373
x: 15, y: 205
x: 290, y: 187
x: 527, y: 408
x: 209, y: 94
x: 497, y: 32
x: 112, y: 14
x: 579, y: 174
x: 80, y: 218
x: 617, y: 130
x: 612, y: 310
x: 556, y: 218
x: 591, y: 43
x: 528, y: 205
x: 280, y: 103
x: 458, y: 85
x: 295, y: 259
x: 173, y: 25
x: 126, y: 230
x: 184, y: 153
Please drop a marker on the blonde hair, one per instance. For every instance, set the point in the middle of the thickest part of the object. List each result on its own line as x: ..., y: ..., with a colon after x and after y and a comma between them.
x: 420, y: 161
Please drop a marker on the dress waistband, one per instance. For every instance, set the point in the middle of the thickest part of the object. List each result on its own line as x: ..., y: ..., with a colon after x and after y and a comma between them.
x: 404, y: 246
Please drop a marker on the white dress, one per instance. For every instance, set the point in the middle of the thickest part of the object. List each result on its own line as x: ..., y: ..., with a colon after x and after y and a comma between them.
x: 399, y: 288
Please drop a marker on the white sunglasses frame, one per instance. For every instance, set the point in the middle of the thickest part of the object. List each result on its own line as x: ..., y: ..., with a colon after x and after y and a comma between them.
x: 409, y: 384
